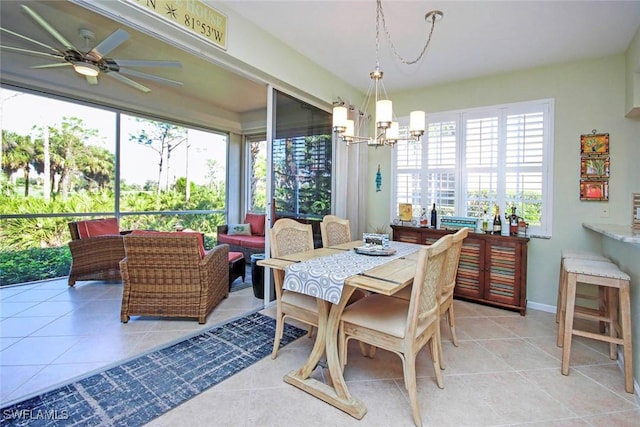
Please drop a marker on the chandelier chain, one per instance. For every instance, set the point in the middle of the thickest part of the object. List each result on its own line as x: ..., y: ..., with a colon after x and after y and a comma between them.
x: 380, y: 14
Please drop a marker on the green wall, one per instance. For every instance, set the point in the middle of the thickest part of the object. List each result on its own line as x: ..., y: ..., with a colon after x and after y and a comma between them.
x: 588, y: 95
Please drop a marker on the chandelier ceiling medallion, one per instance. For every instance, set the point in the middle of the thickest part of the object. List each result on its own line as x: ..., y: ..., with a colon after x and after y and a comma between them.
x: 387, y: 127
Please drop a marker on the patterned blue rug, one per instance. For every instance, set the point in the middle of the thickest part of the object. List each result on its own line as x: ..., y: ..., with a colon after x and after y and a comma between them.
x: 142, y: 389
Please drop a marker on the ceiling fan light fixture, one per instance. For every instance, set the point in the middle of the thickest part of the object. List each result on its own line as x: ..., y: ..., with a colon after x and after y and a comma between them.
x: 86, y: 69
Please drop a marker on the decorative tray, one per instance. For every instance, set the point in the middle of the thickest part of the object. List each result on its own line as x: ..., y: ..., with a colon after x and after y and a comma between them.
x: 374, y: 250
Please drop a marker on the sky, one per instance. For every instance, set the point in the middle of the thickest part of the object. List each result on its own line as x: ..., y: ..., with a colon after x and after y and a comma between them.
x: 20, y: 111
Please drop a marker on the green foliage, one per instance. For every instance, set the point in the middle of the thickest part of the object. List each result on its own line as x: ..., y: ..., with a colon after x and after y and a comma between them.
x: 33, y: 264
x: 302, y: 182
x: 81, y: 180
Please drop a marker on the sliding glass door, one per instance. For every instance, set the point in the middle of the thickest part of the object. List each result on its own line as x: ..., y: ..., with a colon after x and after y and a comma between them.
x: 302, y: 159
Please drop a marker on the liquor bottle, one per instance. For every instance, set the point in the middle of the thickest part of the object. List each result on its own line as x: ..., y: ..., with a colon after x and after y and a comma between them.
x: 434, y: 217
x: 424, y: 222
x: 497, y: 222
x: 485, y: 222
x: 513, y: 222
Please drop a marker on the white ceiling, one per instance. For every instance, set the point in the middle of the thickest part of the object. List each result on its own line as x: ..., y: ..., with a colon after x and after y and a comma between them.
x: 475, y: 38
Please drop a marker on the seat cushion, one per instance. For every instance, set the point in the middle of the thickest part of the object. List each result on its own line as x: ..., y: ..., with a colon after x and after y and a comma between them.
x: 380, y: 313
x: 300, y: 300
x: 254, y: 242
x: 98, y: 227
x: 257, y: 223
x: 171, y: 233
x: 595, y: 268
x: 235, y: 256
x: 230, y: 240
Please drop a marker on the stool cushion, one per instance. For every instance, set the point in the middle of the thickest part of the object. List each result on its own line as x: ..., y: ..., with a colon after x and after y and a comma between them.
x: 595, y: 268
x: 235, y: 256
x: 570, y: 253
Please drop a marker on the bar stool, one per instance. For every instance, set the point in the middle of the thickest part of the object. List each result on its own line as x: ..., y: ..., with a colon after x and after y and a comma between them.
x: 583, y: 255
x: 616, y: 284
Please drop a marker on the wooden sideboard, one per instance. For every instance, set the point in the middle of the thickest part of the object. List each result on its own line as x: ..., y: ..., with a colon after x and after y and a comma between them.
x: 492, y: 269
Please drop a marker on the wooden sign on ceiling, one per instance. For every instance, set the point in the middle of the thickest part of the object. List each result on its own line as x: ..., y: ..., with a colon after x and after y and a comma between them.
x: 194, y: 15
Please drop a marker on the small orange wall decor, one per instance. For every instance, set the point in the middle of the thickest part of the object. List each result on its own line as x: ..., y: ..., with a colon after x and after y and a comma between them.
x: 594, y: 166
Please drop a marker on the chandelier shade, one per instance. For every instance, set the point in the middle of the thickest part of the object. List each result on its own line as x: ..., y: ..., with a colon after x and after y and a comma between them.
x: 386, y: 125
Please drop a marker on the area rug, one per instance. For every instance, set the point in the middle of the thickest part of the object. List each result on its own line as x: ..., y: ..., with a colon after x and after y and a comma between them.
x: 144, y: 388
x: 238, y: 286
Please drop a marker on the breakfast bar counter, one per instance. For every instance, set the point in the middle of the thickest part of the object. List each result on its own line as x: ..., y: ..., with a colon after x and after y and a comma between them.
x: 623, y: 233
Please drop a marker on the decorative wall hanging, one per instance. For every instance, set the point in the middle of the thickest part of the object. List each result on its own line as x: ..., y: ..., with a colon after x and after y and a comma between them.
x: 378, y: 180
x: 594, y: 166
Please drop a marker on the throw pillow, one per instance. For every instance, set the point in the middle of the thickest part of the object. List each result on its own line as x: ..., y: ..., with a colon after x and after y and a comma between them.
x: 239, y: 229
x: 257, y: 223
x: 98, y: 227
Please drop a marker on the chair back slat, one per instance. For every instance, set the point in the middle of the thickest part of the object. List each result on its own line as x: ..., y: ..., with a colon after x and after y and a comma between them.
x: 429, y: 275
x: 288, y: 236
x: 453, y: 258
x: 334, y: 230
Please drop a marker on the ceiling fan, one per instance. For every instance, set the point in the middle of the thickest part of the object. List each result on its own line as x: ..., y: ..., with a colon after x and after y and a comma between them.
x: 92, y: 63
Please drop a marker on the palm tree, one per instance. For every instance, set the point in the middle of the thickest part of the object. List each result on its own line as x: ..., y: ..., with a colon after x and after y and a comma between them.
x: 18, y: 153
x: 97, y: 165
x: 66, y: 141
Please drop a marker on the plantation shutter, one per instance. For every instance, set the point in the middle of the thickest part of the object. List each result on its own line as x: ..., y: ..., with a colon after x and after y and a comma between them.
x: 408, y: 173
x: 441, y: 160
x: 481, y: 161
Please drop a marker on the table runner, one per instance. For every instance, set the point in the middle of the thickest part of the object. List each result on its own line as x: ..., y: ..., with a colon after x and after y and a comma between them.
x: 324, y: 277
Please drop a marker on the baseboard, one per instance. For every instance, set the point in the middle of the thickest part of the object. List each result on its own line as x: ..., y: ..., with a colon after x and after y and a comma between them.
x: 541, y: 307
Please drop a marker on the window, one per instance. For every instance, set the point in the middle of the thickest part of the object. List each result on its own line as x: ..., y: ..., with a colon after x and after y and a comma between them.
x: 64, y: 160
x: 256, y: 148
x: 473, y: 160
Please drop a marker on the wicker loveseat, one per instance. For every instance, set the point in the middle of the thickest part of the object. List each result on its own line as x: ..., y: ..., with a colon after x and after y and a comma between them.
x: 96, y: 250
x: 248, y: 243
x: 165, y: 274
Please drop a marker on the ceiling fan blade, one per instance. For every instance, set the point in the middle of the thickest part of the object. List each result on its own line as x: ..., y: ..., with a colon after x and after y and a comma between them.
x: 34, y: 52
x: 114, y: 40
x: 128, y: 81
x: 64, y: 64
x: 144, y: 63
x: 92, y: 80
x: 150, y: 77
x: 44, y: 24
x: 28, y: 39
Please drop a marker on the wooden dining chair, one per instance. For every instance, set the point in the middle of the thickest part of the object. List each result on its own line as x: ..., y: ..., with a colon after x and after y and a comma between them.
x: 334, y: 230
x: 288, y: 236
x: 447, y: 287
x: 399, y: 325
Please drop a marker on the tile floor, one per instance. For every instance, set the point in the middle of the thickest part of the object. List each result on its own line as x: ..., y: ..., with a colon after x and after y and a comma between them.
x: 506, y: 370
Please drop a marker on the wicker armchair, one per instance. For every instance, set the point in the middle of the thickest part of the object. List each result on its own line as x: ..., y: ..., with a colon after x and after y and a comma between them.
x: 164, y: 275
x: 95, y: 258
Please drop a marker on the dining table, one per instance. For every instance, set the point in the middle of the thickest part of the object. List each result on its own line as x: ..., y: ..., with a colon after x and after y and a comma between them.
x: 332, y: 274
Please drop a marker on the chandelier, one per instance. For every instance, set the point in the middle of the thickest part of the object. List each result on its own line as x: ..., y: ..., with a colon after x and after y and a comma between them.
x: 387, y: 127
